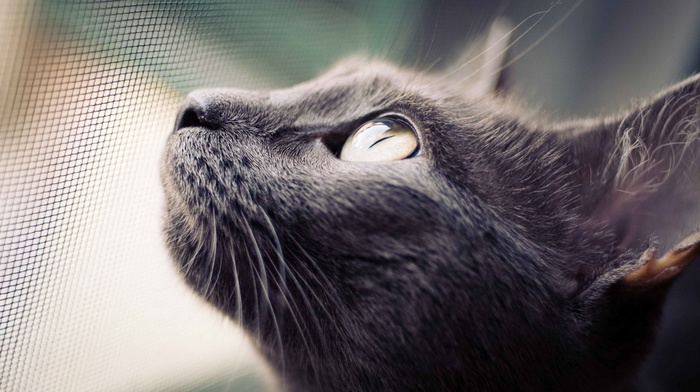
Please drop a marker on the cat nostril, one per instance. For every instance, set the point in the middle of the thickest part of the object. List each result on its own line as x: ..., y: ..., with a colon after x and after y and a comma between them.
x: 192, y: 115
x: 189, y: 118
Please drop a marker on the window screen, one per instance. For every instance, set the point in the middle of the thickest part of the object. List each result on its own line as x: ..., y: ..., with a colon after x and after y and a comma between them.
x: 88, y: 297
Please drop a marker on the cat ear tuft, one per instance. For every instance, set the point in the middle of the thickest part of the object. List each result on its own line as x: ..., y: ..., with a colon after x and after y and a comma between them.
x: 639, y: 173
x: 483, y: 66
x: 654, y: 272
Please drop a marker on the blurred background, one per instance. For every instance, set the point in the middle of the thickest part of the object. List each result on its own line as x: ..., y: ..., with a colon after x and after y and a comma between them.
x: 88, y: 93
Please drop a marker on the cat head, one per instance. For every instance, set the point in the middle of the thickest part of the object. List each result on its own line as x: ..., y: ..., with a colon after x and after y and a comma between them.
x: 385, y: 229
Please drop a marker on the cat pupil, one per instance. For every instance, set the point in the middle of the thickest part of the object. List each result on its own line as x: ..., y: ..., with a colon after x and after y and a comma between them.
x: 380, y: 140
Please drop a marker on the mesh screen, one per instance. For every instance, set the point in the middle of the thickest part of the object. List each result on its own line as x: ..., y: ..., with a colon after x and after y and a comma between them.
x: 88, y: 298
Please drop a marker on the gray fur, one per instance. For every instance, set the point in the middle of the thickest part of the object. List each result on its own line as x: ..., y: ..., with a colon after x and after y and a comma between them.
x: 490, y: 262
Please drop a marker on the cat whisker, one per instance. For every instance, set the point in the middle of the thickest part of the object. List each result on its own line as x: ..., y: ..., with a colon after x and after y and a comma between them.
x: 293, y: 308
x: 278, y: 248
x: 296, y: 276
x: 282, y: 286
x: 239, y: 298
x: 187, y: 267
x: 432, y: 41
x: 312, y: 311
x: 211, y: 258
x: 325, y: 285
x: 258, y: 329
x: 260, y: 273
x: 268, y: 305
x: 534, y: 44
x: 258, y: 257
x: 319, y: 274
x: 329, y: 295
x: 483, y: 53
x: 282, y: 272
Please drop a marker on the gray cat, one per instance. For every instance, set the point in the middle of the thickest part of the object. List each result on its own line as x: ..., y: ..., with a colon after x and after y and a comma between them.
x: 381, y: 229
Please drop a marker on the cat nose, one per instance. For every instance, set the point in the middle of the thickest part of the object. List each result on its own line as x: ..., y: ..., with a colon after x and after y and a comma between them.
x: 193, y: 114
x: 217, y: 109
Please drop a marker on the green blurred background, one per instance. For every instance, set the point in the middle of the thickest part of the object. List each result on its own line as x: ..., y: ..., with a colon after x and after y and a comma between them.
x: 577, y: 56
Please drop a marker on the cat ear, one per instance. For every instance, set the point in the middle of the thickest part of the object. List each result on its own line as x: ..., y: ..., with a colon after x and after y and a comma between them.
x: 639, y: 175
x: 484, y: 65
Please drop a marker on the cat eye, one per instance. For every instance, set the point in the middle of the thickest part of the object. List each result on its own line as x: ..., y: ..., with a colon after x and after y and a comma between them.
x: 383, y: 139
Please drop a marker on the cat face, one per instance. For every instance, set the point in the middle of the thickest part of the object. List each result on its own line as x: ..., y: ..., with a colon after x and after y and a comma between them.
x: 478, y: 249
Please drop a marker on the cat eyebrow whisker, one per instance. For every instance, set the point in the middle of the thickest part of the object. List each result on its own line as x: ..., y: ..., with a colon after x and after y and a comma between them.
x: 541, y: 15
x: 538, y: 41
x: 486, y: 50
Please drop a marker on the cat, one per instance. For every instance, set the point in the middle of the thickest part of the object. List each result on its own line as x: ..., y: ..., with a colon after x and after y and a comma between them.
x: 386, y: 229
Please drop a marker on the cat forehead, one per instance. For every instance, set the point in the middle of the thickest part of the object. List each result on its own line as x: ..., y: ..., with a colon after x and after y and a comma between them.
x: 359, y: 83
x: 348, y: 91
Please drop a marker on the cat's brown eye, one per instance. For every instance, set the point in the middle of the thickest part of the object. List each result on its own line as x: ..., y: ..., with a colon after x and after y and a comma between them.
x: 383, y: 139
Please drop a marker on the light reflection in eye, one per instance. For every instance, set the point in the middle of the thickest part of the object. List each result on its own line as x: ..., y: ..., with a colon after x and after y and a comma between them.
x: 383, y: 139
